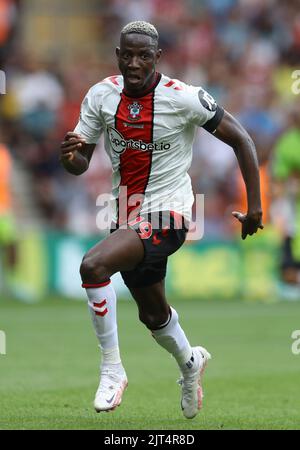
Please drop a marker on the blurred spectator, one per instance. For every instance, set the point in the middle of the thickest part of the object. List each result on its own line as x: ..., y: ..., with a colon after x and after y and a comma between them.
x: 8, y: 233
x: 8, y: 18
x: 286, y: 205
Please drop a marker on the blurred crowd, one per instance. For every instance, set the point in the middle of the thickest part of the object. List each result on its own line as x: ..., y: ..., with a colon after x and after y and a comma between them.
x: 242, y: 51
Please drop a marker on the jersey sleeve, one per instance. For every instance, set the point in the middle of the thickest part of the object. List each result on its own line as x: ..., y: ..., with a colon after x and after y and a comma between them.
x: 90, y: 125
x: 202, y: 109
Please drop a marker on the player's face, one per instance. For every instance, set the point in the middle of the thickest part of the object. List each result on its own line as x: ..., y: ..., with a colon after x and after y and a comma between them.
x: 137, y: 58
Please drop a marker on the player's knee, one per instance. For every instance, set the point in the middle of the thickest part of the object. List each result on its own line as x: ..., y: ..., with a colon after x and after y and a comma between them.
x: 153, y: 322
x: 87, y: 269
x: 93, y: 271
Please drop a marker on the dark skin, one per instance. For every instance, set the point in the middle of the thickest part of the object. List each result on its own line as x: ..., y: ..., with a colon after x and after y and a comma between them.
x: 137, y: 58
x: 234, y: 134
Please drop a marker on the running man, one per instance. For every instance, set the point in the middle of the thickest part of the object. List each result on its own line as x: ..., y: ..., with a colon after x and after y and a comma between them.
x: 149, y: 122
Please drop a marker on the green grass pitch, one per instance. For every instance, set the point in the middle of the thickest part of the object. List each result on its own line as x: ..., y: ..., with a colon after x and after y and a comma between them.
x: 50, y: 372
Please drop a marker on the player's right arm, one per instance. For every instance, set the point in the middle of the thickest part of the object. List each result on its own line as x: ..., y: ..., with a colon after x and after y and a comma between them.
x: 75, y: 153
x: 78, y: 146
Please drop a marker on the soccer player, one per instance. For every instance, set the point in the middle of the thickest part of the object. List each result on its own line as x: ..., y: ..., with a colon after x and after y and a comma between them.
x: 149, y: 121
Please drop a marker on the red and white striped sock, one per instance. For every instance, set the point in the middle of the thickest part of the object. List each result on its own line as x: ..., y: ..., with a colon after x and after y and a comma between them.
x: 102, y: 305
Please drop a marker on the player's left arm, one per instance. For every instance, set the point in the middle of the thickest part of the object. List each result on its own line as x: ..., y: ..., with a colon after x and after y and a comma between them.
x: 230, y: 131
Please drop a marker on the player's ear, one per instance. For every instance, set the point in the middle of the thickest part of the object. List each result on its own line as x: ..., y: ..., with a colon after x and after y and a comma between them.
x: 118, y: 52
x: 158, y: 55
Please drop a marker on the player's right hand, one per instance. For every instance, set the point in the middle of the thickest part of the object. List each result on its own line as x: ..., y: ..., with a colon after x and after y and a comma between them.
x: 71, y: 143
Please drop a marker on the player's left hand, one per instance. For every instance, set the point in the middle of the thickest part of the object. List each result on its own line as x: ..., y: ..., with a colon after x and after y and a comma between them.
x: 251, y: 222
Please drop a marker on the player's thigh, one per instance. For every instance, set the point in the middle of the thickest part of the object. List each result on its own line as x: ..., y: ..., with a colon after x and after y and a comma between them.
x: 121, y: 250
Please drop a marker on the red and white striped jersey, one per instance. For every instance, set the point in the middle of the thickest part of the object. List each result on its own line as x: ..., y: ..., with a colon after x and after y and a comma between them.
x: 149, y: 139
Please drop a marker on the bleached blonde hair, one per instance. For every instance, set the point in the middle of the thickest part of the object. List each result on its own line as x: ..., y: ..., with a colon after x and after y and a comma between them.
x: 141, y: 27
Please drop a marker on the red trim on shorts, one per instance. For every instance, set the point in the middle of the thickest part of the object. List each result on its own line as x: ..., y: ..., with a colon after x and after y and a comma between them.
x: 96, y: 285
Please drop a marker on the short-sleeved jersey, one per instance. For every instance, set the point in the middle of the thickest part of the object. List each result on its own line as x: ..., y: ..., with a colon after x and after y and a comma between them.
x: 149, y: 140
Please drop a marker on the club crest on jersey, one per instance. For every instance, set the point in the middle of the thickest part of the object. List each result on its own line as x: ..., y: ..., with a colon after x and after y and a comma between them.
x: 134, y: 111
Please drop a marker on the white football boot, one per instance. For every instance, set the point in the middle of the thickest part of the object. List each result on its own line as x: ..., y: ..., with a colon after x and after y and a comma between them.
x: 112, y: 385
x: 191, y: 384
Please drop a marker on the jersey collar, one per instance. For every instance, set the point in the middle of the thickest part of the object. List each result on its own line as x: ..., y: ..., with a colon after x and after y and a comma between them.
x: 147, y: 91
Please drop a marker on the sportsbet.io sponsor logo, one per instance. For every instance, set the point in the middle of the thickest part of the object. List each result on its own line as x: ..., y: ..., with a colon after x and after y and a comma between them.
x: 120, y: 144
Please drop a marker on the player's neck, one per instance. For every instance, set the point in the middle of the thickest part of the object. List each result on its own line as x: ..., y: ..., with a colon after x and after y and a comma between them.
x: 149, y: 86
